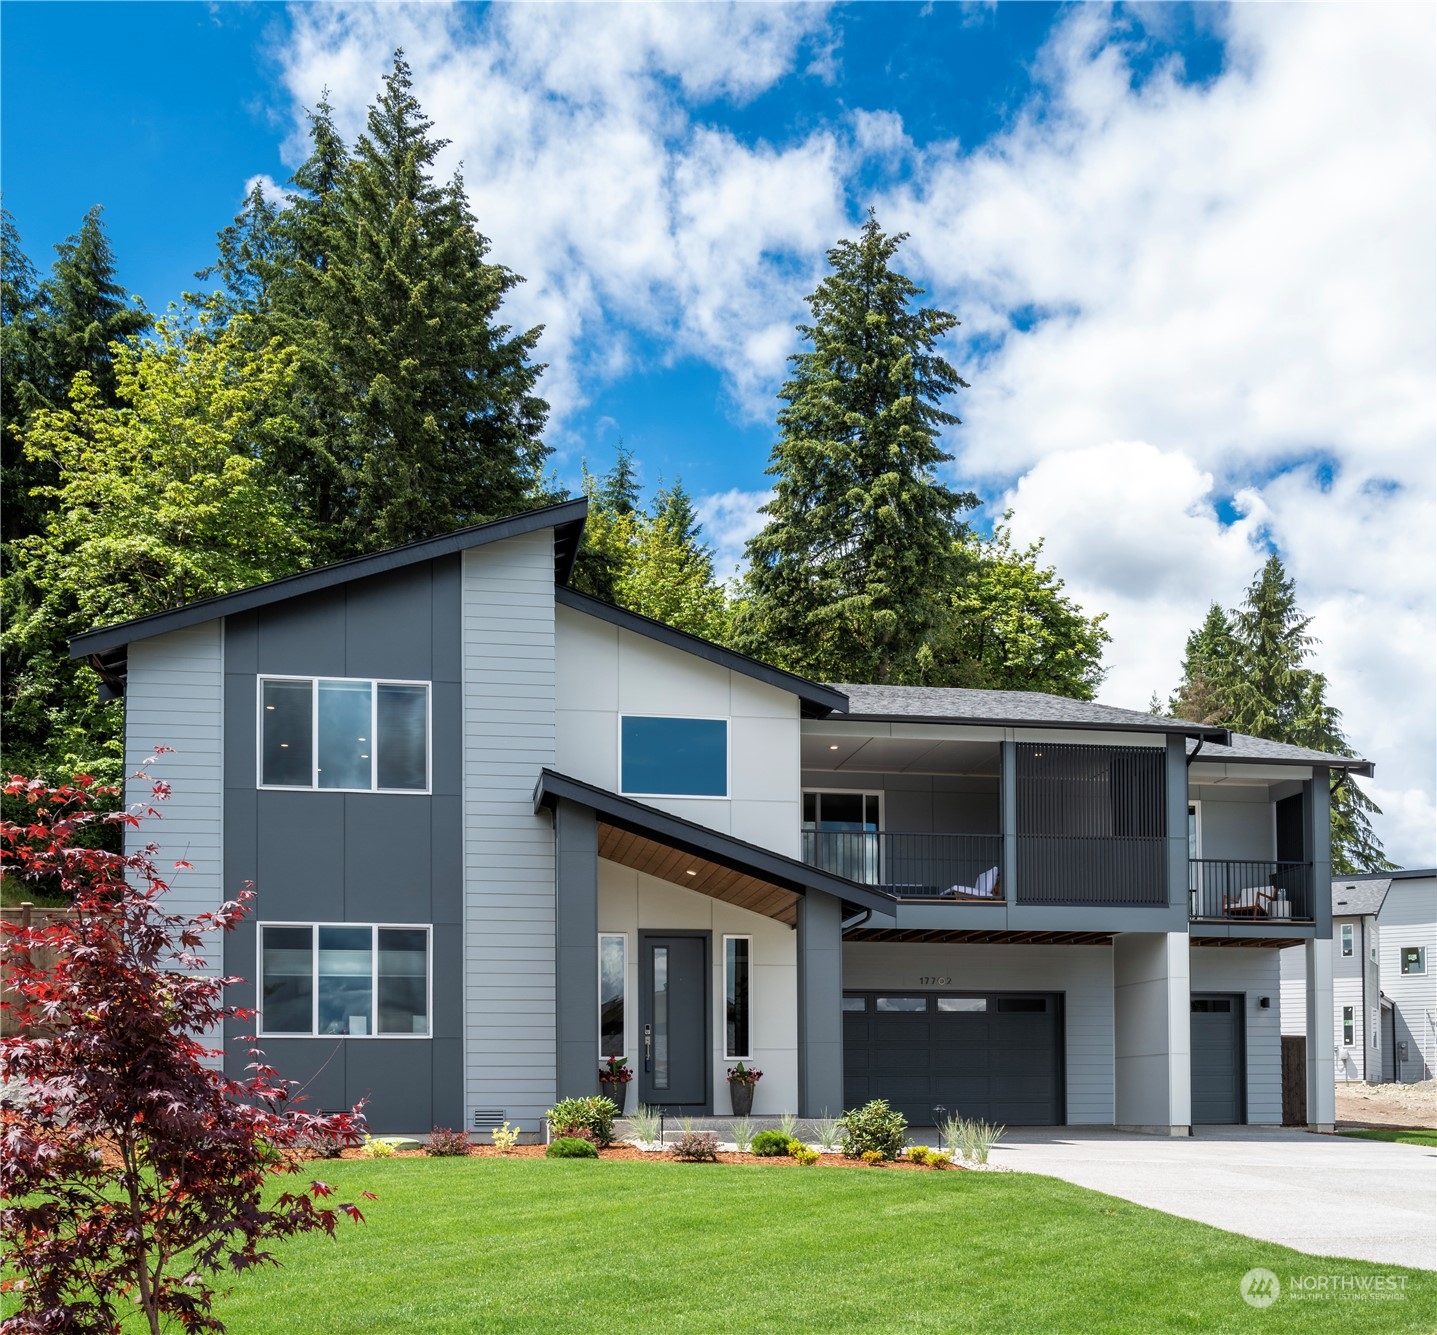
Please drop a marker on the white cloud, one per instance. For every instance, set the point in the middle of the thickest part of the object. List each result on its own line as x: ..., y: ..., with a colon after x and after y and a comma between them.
x: 730, y: 519
x: 272, y: 191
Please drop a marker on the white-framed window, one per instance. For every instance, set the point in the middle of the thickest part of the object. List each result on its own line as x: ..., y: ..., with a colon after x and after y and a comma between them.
x: 738, y: 997
x: 613, y: 993
x: 1414, y: 959
x: 344, y: 734
x: 663, y: 755
x: 1348, y: 1022
x: 1194, y: 829
x: 1347, y: 940
x: 840, y: 832
x: 345, y: 979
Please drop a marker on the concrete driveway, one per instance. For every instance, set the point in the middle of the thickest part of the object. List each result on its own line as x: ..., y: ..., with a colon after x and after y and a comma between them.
x: 1328, y: 1195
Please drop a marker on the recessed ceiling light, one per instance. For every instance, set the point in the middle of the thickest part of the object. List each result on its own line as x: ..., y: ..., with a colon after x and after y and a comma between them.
x: 691, y: 873
x: 834, y: 747
x: 270, y: 708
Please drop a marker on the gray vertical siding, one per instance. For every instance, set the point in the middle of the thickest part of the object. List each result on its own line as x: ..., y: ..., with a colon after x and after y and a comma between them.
x: 508, y: 736
x: 355, y: 857
x: 576, y: 957
x: 820, y: 1005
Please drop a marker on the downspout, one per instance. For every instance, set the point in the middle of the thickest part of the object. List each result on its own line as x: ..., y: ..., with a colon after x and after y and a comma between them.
x: 1196, y: 749
x: 1366, y: 1038
x: 856, y: 921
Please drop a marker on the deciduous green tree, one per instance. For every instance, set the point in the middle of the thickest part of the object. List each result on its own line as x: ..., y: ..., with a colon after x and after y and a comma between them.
x: 851, y: 571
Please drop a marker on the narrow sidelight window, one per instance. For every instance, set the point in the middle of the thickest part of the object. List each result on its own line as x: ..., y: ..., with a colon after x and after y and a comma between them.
x: 1347, y: 1025
x: 612, y: 969
x: 673, y: 757
x: 738, y: 955
x: 1346, y: 940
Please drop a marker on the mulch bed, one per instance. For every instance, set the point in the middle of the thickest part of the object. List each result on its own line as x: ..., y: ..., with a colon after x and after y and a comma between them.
x: 629, y: 1152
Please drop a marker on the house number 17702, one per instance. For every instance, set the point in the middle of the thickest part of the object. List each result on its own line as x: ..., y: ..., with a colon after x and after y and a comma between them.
x: 937, y: 982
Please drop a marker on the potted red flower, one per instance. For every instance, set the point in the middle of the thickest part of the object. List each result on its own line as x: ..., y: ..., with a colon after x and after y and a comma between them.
x: 614, y: 1077
x: 741, y: 1080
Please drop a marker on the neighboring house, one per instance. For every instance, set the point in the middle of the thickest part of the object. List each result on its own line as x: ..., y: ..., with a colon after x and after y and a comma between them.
x: 1384, y: 990
x: 499, y: 829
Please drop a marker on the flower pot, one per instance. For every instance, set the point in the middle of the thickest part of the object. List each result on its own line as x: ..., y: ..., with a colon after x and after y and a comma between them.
x: 618, y: 1090
x: 740, y: 1094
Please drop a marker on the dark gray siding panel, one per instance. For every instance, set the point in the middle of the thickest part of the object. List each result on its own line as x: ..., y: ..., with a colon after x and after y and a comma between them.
x: 318, y: 1065
x: 300, y: 865
x: 375, y: 610
x: 446, y: 860
x: 387, y: 863
x: 447, y: 742
x: 397, y: 1077
x: 447, y: 634
x: 448, y: 1082
x: 304, y: 637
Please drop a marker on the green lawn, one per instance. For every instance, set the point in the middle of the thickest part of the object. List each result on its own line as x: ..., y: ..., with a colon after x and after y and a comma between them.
x: 1393, y: 1134
x: 460, y: 1245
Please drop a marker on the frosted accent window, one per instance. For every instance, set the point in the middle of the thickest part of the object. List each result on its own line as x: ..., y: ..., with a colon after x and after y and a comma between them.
x: 855, y: 1003
x: 612, y: 968
x: 963, y: 1004
x: 661, y: 1017
x: 674, y: 757
x: 738, y: 956
x: 344, y: 980
x: 904, y: 1004
x: 344, y: 734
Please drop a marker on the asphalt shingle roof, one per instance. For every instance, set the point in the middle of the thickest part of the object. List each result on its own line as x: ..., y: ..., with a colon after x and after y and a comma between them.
x: 1352, y: 899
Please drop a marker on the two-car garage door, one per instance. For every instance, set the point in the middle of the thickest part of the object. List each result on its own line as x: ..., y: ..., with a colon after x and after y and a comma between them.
x: 997, y: 1056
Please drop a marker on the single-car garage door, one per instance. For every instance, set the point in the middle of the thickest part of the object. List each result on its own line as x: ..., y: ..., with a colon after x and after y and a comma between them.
x: 997, y: 1056
x: 1217, y: 1060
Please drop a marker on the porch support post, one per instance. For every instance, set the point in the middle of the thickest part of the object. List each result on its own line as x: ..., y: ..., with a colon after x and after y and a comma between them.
x: 820, y: 1005
x: 576, y: 951
x: 1152, y: 1033
x: 1179, y: 879
x: 1317, y: 838
x: 1008, y: 820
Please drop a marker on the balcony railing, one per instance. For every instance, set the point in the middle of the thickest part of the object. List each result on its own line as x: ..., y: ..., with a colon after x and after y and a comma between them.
x: 1250, y: 891
x: 1092, y: 870
x: 962, y: 867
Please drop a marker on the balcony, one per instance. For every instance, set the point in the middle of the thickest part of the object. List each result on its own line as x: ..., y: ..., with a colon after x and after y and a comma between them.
x: 1232, y: 891
x: 950, y: 867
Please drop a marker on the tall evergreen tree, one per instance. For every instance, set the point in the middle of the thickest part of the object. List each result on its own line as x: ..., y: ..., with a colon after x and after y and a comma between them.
x: 848, y: 576
x: 20, y: 513
x: 1248, y: 671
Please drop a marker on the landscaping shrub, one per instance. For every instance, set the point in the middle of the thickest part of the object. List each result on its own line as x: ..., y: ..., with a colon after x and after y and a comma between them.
x: 938, y: 1159
x: 742, y: 1135
x: 807, y: 1157
x: 769, y: 1145
x: 504, y: 1137
x: 377, y: 1149
x: 594, y: 1114
x: 571, y: 1147
x: 446, y: 1144
x: 875, y: 1126
x: 787, y: 1122
x: 644, y: 1122
x: 696, y: 1147
x: 873, y: 1158
x: 827, y: 1131
x: 918, y: 1154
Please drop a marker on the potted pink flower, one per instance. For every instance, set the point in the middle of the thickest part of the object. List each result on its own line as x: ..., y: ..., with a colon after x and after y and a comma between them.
x: 741, y: 1080
x: 614, y: 1077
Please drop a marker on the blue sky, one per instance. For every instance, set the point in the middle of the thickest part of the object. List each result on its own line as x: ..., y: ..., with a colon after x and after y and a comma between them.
x: 1159, y: 225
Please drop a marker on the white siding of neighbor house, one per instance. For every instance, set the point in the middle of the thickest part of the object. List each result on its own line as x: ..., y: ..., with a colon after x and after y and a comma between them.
x: 605, y: 671
x: 507, y: 604
x: 1255, y: 973
x: 1083, y: 974
x: 175, y: 697
x: 1409, y: 918
x: 630, y: 902
x: 1293, y: 968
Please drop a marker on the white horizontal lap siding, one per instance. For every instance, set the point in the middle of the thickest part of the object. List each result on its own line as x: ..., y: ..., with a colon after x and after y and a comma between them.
x: 1294, y: 990
x: 508, y: 705
x: 174, y: 696
x: 1409, y: 918
x: 1255, y: 973
x: 1083, y: 974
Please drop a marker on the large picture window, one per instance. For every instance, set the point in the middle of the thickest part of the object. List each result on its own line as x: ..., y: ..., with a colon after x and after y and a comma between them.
x: 612, y: 977
x: 344, y: 979
x: 673, y: 757
x: 346, y: 734
x: 737, y: 995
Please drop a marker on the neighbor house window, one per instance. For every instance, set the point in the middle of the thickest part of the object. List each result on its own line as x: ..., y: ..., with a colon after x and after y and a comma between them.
x: 1346, y: 940
x: 1414, y: 959
x: 613, y: 963
x: 1347, y: 1025
x: 344, y: 979
x: 737, y: 994
x: 348, y: 734
x: 673, y: 757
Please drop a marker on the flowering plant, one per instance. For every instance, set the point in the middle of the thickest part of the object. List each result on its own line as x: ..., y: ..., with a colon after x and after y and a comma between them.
x: 744, y: 1075
x: 616, y: 1071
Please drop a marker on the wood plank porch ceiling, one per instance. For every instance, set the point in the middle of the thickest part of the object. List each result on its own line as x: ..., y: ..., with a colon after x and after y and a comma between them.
x: 695, y: 873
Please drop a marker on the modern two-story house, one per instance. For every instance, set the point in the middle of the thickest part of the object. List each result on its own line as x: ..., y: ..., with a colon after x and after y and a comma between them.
x: 499, y: 829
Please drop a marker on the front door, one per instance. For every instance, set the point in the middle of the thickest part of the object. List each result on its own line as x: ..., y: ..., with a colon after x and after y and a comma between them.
x: 1218, y: 1093
x: 674, y: 1021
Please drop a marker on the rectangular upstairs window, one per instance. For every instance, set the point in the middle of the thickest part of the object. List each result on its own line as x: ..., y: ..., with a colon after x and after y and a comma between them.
x: 1346, y: 940
x: 673, y: 757
x: 1414, y: 959
x: 344, y: 734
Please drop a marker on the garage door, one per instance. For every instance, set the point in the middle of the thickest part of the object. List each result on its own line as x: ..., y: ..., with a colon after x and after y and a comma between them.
x: 997, y: 1056
x: 1217, y: 1060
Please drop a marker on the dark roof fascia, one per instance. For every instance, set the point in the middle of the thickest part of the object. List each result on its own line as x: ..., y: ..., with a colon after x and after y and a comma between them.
x: 762, y: 863
x: 1364, y: 769
x: 1401, y: 874
x: 1222, y: 736
x: 817, y: 700
x: 567, y: 516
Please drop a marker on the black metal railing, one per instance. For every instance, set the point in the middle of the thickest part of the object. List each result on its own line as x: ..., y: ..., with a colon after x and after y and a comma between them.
x: 1246, y: 891
x: 1091, y: 869
x: 962, y: 867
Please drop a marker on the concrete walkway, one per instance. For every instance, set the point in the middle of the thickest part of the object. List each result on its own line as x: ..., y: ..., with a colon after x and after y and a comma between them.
x: 1328, y: 1195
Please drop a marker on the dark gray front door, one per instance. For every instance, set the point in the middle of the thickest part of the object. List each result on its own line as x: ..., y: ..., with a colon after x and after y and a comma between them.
x: 998, y: 1056
x: 1219, y: 1095
x: 674, y: 1021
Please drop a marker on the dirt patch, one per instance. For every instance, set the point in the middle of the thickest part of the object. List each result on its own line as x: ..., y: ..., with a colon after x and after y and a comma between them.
x: 1387, y: 1105
x: 629, y: 1152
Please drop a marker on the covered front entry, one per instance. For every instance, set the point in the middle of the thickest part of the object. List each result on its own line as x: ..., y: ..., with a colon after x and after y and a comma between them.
x: 1218, y: 1088
x: 994, y: 1055
x: 674, y: 1021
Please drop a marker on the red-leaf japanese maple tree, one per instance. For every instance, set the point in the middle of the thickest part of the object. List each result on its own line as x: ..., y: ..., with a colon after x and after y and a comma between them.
x: 132, y: 1170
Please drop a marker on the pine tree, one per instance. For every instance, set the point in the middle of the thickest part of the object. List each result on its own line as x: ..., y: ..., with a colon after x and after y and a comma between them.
x: 1248, y: 671
x: 19, y: 301
x: 849, y: 574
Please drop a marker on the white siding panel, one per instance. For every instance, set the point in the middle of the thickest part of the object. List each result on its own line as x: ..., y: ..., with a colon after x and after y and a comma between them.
x: 508, y: 664
x: 1409, y: 918
x: 1083, y: 974
x: 1255, y: 973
